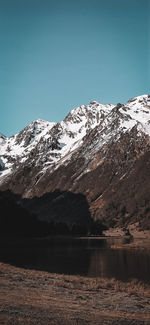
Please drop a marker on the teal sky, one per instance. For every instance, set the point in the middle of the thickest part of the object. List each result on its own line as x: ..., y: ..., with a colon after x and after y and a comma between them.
x: 59, y: 54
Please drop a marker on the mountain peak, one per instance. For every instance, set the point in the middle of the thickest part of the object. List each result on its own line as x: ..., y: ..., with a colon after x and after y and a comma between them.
x: 97, y: 150
x: 50, y: 142
x: 94, y: 102
x: 140, y: 98
x: 2, y: 136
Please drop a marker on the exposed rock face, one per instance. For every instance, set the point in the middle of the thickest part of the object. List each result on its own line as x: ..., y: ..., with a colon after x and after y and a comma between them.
x: 101, y: 151
x: 2, y: 166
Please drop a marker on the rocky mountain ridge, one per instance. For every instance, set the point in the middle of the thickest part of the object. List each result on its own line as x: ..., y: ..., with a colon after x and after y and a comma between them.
x: 55, y: 139
x: 101, y: 151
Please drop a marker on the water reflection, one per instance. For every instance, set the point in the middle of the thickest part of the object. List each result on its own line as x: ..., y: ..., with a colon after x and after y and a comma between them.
x: 88, y: 257
x: 120, y: 264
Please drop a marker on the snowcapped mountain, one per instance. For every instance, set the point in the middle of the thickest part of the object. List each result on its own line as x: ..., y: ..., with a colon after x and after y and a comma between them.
x: 97, y: 150
x: 50, y: 141
x: 15, y: 150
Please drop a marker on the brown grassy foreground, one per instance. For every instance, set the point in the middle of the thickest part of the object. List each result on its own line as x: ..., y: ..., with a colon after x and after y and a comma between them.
x: 35, y: 297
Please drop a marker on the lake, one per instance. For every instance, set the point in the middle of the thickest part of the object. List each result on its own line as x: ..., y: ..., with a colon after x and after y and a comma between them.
x: 90, y: 257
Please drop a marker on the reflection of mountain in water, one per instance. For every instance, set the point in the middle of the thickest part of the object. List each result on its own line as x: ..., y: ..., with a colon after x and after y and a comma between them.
x: 86, y: 257
x: 121, y: 264
x: 55, y: 255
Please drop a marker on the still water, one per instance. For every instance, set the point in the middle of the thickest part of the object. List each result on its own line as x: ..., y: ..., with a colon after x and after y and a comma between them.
x: 88, y: 257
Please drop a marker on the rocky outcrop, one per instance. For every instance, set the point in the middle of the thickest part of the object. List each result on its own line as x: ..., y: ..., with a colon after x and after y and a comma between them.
x: 2, y: 165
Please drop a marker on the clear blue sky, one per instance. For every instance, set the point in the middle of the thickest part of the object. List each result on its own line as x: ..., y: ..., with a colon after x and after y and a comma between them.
x: 58, y: 54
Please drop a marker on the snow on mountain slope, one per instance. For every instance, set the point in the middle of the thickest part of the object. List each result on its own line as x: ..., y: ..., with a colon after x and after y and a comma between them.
x: 116, y: 121
x: 16, y: 149
x: 77, y: 124
x: 87, y: 128
x: 46, y: 142
x: 2, y: 139
x: 138, y: 109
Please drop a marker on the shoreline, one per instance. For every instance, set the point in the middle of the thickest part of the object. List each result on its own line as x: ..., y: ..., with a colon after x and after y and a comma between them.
x: 35, y: 297
x: 134, y: 232
x: 122, y: 241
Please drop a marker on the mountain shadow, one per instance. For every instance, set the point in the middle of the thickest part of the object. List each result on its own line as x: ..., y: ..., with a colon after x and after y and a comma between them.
x: 55, y: 213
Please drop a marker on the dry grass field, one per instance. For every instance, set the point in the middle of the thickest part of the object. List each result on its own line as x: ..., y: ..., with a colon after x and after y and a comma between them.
x: 40, y: 298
